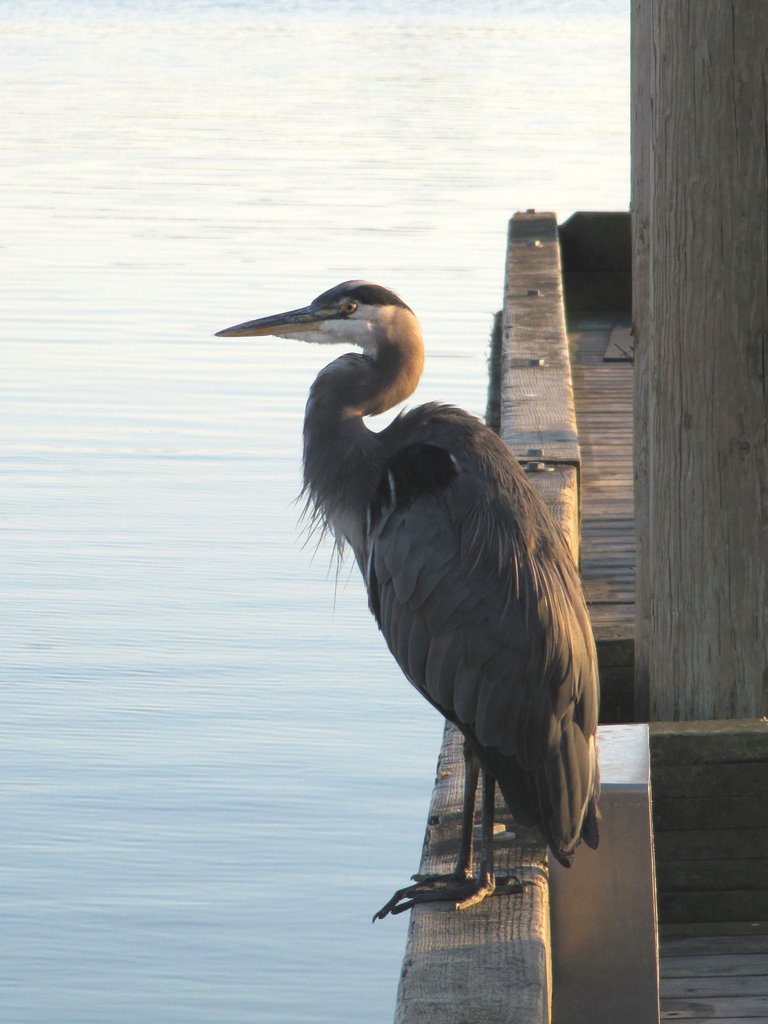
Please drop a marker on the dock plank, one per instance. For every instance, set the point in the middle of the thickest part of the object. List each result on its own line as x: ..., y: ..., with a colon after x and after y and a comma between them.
x: 490, y: 963
x: 705, y: 1008
x: 716, y: 986
x: 603, y: 403
x: 537, y: 408
x: 719, y: 964
x: 714, y: 979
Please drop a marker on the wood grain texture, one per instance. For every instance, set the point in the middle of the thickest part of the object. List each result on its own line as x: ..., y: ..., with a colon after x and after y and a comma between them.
x: 603, y: 400
x: 597, y: 263
x: 710, y: 812
x: 537, y: 410
x: 490, y: 963
x: 710, y: 742
x: 641, y: 67
x: 557, y: 486
x: 702, y: 359
x: 742, y: 779
x: 715, y: 979
x: 691, y: 966
x: 715, y: 905
x: 711, y: 844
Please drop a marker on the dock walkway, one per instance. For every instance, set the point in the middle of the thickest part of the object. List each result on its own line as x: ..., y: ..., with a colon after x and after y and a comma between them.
x: 602, y: 388
x: 565, y: 405
x: 720, y: 975
x: 715, y: 979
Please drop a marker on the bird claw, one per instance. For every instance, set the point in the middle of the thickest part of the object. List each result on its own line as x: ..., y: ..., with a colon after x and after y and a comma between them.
x: 464, y: 892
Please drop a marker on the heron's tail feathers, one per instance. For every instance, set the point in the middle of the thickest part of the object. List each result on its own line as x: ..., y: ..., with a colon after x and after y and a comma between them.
x: 590, y: 830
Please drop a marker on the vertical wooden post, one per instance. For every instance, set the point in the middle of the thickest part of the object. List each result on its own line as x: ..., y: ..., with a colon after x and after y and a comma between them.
x: 701, y: 314
x: 641, y: 69
x: 603, y: 908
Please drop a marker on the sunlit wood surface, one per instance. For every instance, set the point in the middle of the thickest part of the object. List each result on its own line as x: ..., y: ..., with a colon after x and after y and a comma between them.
x: 602, y: 389
x: 715, y: 979
x: 704, y: 979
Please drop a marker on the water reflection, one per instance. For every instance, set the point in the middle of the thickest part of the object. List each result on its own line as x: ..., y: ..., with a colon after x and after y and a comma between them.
x: 213, y: 772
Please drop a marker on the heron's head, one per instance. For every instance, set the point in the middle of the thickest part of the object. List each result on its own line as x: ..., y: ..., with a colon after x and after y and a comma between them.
x: 358, y: 313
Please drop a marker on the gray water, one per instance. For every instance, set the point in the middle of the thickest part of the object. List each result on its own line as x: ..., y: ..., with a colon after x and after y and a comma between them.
x: 212, y: 772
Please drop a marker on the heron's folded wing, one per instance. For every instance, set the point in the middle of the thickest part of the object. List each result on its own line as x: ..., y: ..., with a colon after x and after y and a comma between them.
x: 500, y: 645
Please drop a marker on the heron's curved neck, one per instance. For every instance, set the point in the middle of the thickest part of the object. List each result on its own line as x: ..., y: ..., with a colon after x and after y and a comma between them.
x: 343, y: 459
x: 394, y: 372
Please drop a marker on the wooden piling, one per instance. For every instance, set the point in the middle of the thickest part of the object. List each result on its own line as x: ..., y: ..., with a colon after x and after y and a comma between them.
x: 700, y: 180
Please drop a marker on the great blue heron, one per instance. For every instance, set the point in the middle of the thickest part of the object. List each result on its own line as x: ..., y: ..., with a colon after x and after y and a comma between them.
x: 468, y: 577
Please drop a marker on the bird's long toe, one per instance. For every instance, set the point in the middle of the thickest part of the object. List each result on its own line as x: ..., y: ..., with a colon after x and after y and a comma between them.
x: 462, y: 892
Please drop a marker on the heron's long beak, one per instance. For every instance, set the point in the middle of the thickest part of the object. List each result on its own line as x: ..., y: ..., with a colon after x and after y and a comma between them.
x: 295, y: 321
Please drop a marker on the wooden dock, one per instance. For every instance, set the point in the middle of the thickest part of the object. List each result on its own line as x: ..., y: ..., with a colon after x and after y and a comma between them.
x: 710, y: 780
x: 596, y: 261
x: 575, y: 433
x: 603, y: 394
x: 494, y: 963
x: 715, y: 979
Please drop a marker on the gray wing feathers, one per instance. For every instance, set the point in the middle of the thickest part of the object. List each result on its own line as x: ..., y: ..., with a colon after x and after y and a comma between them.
x: 415, y: 657
x: 494, y: 647
x: 460, y: 637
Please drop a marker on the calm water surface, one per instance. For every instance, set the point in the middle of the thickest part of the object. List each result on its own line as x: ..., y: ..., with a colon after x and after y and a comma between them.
x: 213, y: 773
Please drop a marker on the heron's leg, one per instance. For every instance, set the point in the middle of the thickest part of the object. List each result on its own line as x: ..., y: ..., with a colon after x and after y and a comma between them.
x: 460, y: 886
x: 471, y: 775
x: 463, y: 867
x: 485, y: 882
x: 488, y: 881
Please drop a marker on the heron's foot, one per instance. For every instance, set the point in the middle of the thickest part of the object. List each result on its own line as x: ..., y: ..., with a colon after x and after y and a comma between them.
x: 463, y: 892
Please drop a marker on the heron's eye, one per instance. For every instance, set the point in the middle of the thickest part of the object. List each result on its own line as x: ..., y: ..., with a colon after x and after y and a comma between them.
x: 348, y: 308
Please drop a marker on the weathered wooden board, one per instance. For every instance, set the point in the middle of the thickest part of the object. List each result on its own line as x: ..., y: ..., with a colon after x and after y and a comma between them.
x: 739, y: 779
x: 603, y: 401
x: 721, y: 812
x: 641, y: 76
x: 537, y: 410
x: 710, y: 812
x: 596, y: 254
x: 709, y: 986
x: 492, y: 962
x: 702, y: 312
x: 714, y: 979
x: 493, y: 404
x: 734, y: 943
x: 691, y: 966
x: 557, y: 486
x: 713, y: 844
x: 597, y: 241
x: 713, y: 742
x: 703, y: 876
x: 489, y: 963
x: 611, y: 621
x: 716, y: 1009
